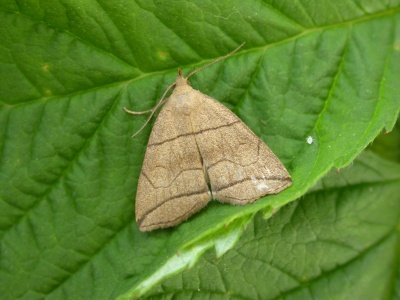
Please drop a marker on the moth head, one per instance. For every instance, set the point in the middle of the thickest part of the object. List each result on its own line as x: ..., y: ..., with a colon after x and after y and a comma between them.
x: 180, y: 80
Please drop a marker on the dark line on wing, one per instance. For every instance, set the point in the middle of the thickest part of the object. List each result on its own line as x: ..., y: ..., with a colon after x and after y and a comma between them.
x: 169, y: 199
x: 254, y: 178
x: 148, y: 179
x: 234, y: 162
x: 189, y: 213
x: 192, y: 133
x: 288, y: 179
x: 172, y: 181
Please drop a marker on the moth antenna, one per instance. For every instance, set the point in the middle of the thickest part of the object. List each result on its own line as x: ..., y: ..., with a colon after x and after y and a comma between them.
x: 153, y: 110
x: 215, y: 61
x: 137, y: 112
x: 162, y: 100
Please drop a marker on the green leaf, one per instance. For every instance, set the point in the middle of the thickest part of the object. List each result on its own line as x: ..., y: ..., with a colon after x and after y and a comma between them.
x: 69, y: 169
x: 388, y: 144
x: 337, y: 242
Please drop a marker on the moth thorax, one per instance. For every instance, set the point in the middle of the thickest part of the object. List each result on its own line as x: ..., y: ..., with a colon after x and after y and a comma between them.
x: 183, y: 89
x: 181, y: 81
x: 183, y: 104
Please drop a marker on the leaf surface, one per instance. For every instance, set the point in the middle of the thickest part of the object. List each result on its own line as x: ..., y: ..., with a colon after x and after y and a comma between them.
x: 340, y: 241
x: 69, y: 169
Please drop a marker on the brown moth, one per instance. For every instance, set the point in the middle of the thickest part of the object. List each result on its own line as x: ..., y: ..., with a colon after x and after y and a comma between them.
x: 198, y: 151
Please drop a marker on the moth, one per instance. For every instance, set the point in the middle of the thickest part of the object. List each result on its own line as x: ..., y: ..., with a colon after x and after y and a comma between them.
x: 199, y: 150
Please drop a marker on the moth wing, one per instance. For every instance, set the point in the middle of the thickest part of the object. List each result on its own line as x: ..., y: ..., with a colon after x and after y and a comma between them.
x: 172, y: 186
x: 240, y: 167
